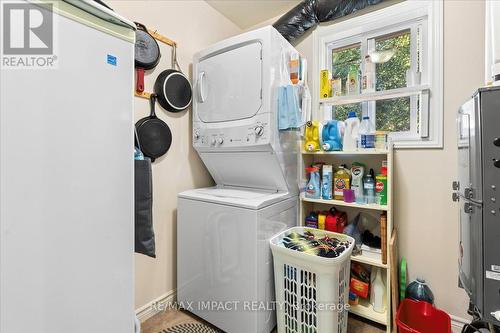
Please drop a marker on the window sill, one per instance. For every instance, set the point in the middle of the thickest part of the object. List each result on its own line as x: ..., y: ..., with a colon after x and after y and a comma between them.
x: 416, y: 143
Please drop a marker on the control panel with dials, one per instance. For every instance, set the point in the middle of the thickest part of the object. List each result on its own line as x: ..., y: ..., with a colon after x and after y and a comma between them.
x: 232, y: 137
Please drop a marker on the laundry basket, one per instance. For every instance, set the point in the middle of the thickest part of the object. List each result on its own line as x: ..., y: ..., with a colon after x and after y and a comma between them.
x: 311, y: 291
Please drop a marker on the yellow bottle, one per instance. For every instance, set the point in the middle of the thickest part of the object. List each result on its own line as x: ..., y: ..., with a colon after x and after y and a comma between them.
x: 311, y: 136
x: 341, y: 182
x: 321, y: 220
x: 325, y: 85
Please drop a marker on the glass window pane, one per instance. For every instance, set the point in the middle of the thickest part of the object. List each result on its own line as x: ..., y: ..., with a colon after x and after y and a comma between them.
x: 393, y: 115
x: 342, y: 59
x: 392, y: 73
x: 340, y: 112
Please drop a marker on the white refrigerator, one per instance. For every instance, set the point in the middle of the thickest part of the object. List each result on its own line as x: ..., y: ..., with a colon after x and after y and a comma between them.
x: 66, y: 178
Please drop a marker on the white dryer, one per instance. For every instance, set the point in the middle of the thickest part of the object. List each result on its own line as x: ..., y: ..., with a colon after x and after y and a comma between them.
x: 223, y: 232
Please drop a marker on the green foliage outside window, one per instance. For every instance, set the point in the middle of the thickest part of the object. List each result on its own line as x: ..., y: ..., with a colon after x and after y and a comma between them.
x: 342, y: 60
x: 391, y: 115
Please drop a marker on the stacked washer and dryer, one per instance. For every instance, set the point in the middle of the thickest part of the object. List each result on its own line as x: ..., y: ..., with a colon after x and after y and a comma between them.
x: 224, y: 263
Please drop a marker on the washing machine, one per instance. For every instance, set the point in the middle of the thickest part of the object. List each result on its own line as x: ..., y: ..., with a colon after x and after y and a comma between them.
x: 224, y: 262
x: 225, y: 232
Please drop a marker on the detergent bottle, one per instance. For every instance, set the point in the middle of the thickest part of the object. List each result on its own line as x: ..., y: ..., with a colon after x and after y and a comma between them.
x: 332, y: 135
x: 313, y: 189
x: 341, y: 182
x: 311, y: 136
x: 357, y: 171
x: 351, y: 132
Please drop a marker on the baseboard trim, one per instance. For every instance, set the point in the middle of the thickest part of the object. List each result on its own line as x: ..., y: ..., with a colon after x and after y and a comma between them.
x: 156, y: 306
x: 457, y: 323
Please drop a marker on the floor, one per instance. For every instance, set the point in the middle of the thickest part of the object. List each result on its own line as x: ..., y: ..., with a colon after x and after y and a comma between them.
x: 171, y: 318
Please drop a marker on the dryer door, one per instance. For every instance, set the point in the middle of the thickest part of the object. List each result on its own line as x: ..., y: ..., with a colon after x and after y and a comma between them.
x: 229, y: 84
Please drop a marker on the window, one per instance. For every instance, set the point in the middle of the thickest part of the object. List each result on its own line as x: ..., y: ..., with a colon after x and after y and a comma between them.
x: 402, y: 46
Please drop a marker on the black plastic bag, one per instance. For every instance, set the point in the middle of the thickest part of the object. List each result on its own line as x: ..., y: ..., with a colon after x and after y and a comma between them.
x: 144, y: 232
x: 309, y: 13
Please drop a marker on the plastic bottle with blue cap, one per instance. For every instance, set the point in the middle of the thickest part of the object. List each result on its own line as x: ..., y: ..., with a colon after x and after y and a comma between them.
x: 351, y: 132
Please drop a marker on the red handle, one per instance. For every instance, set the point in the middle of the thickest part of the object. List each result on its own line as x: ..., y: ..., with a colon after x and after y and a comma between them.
x: 140, y: 80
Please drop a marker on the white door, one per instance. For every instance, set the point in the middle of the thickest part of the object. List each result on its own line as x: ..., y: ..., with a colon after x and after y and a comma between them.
x: 229, y: 84
x: 66, y: 189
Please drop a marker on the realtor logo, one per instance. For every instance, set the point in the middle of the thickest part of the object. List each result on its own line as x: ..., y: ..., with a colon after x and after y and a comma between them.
x: 27, y: 35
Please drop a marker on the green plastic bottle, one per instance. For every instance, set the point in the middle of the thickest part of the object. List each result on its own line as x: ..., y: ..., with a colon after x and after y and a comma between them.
x: 353, y: 80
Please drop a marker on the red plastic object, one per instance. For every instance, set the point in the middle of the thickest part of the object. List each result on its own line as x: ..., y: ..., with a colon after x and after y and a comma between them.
x: 421, y: 317
x: 139, y: 87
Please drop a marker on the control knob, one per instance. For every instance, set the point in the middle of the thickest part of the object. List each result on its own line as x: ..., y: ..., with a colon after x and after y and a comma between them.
x: 213, y: 142
x: 259, y: 130
x: 220, y: 141
x: 196, y: 135
x: 496, y: 142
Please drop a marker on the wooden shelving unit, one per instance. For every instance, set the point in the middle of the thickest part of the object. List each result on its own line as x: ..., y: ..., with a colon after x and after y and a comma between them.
x: 372, y: 159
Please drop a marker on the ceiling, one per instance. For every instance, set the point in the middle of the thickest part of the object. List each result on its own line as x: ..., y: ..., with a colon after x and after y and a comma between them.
x: 247, y: 13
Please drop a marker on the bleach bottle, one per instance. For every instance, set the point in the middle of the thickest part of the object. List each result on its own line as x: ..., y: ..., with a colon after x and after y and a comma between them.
x: 351, y: 133
x: 366, y: 134
x: 332, y: 135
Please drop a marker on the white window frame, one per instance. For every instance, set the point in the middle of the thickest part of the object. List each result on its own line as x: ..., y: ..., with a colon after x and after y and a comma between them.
x: 406, y: 15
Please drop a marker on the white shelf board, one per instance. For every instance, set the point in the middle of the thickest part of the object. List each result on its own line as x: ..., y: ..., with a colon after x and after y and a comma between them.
x: 347, y: 153
x: 369, y: 261
x: 345, y: 204
x: 375, y: 96
x: 365, y: 310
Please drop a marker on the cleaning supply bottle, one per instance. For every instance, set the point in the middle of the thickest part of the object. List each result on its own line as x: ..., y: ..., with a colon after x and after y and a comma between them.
x: 357, y: 172
x: 369, y: 187
x: 311, y: 220
x: 341, y: 181
x: 378, y: 294
x: 326, y: 182
x: 311, y: 136
x: 321, y: 220
x: 381, y: 189
x: 353, y: 80
x: 332, y: 135
x: 368, y: 80
x: 351, y: 132
x: 420, y: 291
x: 312, y: 189
x: 366, y: 134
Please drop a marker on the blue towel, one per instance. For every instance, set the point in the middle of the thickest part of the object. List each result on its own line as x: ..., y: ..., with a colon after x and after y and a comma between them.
x: 288, y: 108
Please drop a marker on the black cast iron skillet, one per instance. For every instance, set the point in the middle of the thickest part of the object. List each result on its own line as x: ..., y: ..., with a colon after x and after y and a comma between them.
x: 147, y: 54
x: 173, y: 88
x: 153, y: 134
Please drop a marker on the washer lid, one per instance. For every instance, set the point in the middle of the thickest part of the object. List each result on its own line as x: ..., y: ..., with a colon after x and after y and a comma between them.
x: 244, y: 198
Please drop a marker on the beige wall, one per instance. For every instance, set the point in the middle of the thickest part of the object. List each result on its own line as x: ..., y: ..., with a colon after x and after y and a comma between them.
x: 426, y: 217
x: 193, y: 25
x: 425, y: 214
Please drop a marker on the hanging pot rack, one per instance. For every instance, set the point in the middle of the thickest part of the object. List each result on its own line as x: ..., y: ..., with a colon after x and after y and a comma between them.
x: 159, y: 37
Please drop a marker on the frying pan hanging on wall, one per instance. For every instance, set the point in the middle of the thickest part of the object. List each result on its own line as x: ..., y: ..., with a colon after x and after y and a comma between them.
x: 153, y: 134
x: 147, y: 54
x: 173, y: 88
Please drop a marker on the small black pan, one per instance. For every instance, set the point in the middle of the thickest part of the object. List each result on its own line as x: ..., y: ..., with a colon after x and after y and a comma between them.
x: 173, y: 88
x: 153, y: 134
x: 147, y: 54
